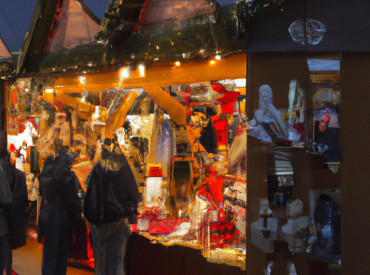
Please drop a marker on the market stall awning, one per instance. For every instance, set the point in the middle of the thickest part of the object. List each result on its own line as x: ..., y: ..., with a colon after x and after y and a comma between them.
x: 164, y: 10
x: 158, y: 76
x: 65, y: 36
x: 74, y: 27
x: 4, y: 52
x: 7, y: 63
x: 56, y: 25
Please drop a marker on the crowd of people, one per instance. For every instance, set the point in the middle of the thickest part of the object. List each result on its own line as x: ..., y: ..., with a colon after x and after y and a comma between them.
x: 109, y: 204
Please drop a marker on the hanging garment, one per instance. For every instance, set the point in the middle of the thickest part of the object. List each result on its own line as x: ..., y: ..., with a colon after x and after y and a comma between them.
x: 221, y: 128
x: 34, y: 160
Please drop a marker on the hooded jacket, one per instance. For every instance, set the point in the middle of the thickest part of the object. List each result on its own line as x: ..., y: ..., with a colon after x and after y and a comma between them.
x: 112, y: 191
x: 58, y: 190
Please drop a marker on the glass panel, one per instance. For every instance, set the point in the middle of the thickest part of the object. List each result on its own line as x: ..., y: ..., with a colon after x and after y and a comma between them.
x: 295, y: 127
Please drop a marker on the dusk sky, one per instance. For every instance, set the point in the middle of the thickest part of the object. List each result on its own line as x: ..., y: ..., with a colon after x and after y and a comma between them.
x: 15, y: 17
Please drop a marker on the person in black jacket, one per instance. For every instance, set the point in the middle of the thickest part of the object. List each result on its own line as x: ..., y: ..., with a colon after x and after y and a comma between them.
x: 110, y: 204
x: 60, y: 203
x: 5, y: 199
x: 15, y: 212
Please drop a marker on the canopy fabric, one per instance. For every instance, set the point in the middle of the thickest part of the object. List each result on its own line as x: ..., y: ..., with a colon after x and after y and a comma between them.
x: 165, y: 10
x: 4, y: 52
x: 74, y: 28
x: 60, y: 42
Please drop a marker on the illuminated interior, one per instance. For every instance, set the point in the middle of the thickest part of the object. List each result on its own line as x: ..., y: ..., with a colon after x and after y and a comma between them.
x: 179, y: 129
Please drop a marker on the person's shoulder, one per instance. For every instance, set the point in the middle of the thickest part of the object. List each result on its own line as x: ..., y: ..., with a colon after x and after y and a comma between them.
x: 19, y: 173
x: 97, y: 166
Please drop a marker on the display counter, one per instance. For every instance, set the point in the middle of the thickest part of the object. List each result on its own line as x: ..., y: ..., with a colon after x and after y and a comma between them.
x: 146, y: 257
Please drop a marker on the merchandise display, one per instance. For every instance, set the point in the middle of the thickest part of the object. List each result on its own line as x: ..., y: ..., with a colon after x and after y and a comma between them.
x: 191, y: 177
x: 190, y: 198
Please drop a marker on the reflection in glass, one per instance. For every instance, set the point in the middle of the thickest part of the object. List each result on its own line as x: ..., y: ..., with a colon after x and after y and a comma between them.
x: 267, y: 123
x: 311, y: 34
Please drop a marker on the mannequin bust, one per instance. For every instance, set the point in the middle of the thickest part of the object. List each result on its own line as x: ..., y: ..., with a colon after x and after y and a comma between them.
x: 267, y: 123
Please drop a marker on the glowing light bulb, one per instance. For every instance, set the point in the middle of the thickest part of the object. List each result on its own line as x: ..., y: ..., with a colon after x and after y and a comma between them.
x: 142, y: 70
x: 82, y: 79
x: 124, y: 73
x: 177, y: 63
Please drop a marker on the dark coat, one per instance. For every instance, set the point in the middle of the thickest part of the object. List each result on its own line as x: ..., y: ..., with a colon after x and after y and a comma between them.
x: 112, y: 191
x: 16, y: 211
x: 58, y: 191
